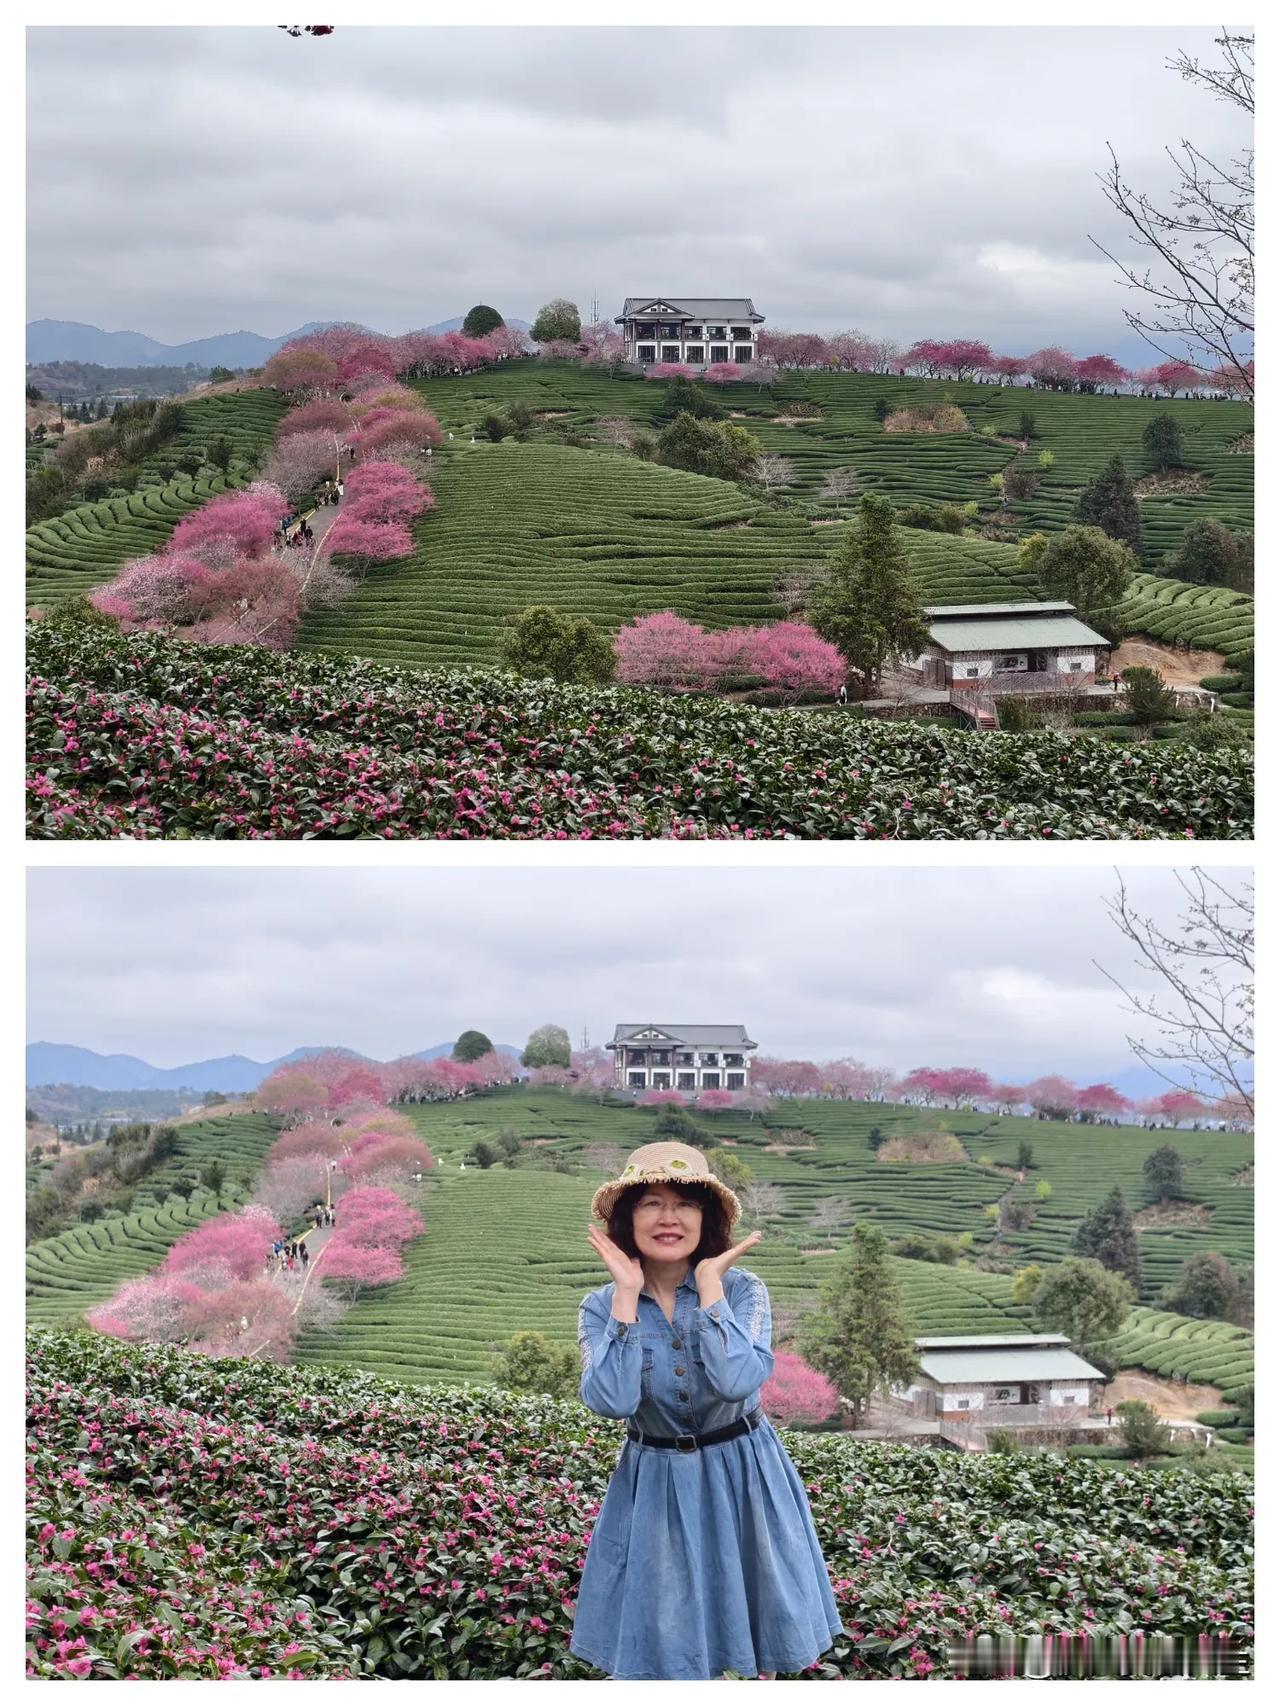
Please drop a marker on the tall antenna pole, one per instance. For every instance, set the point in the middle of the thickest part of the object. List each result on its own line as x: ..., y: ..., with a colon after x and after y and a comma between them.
x: 595, y: 310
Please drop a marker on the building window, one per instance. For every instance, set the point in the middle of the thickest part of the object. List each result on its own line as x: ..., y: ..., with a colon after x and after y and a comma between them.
x: 1013, y: 661
x: 693, y: 331
x: 660, y: 1057
x: 636, y: 1080
x: 715, y: 331
x: 734, y: 1060
x: 644, y: 352
x: 696, y: 352
x: 684, y: 1060
x: 971, y: 672
x: 742, y: 353
x: 740, y: 332
x: 671, y: 352
x: 662, y: 1080
x: 636, y: 1057
x: 686, y: 1080
x: 1075, y: 665
x: 710, y: 1080
x: 708, y: 1060
x: 735, y: 1081
x: 719, y: 352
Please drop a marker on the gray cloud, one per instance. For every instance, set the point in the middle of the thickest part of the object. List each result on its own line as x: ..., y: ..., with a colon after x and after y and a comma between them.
x: 900, y: 967
x: 185, y: 181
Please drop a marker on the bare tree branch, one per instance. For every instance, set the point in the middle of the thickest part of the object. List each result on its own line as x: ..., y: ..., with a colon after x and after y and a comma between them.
x: 1204, y: 1018
x: 1202, y: 289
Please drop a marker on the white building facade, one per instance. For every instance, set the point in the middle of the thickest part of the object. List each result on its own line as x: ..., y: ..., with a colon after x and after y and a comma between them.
x: 1011, y: 646
x: 696, y: 330
x: 682, y: 1057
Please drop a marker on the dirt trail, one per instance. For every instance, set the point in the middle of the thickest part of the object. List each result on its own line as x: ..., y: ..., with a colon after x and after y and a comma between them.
x: 1183, y: 669
x: 1168, y: 1398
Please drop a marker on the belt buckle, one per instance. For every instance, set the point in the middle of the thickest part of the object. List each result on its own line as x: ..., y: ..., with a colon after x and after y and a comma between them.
x: 692, y: 1439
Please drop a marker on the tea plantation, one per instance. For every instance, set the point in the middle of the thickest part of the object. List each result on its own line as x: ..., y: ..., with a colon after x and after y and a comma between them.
x: 506, y: 1248
x: 71, y: 1272
x: 85, y: 546
x: 192, y: 1520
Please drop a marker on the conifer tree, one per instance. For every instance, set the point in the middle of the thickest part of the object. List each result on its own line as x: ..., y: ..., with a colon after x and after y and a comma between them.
x: 867, y: 603
x: 859, y: 1336
x: 1110, y: 502
x: 1109, y: 1236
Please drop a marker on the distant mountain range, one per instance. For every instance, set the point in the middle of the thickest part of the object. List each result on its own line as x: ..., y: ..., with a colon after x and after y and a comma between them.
x: 65, y: 1063
x: 72, y: 340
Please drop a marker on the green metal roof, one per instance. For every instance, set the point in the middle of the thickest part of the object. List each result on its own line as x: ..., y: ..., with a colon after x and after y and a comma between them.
x: 1026, y: 633
x: 949, y: 1368
x: 1037, y: 606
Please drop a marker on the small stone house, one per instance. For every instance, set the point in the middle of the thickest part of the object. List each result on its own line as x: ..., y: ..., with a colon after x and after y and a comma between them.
x: 1010, y: 647
x: 1003, y: 1380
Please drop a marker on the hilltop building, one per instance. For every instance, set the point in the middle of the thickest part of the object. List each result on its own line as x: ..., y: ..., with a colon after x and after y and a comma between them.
x: 693, y: 329
x: 1010, y: 647
x: 682, y: 1057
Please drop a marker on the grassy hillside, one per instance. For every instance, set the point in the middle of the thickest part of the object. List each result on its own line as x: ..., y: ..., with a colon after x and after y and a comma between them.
x: 81, y: 1267
x: 601, y: 534
x: 506, y: 1248
x: 85, y: 546
x: 1081, y: 432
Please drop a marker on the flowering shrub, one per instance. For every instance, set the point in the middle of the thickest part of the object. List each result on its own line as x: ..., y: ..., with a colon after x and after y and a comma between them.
x: 722, y: 373
x: 190, y: 1519
x: 142, y: 736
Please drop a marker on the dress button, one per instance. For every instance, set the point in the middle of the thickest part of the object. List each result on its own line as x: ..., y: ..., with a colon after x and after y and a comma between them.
x: 682, y: 1396
x: 676, y: 1344
x: 679, y: 1371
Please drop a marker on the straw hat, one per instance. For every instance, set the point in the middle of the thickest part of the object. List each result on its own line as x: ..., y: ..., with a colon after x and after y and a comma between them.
x: 664, y: 1164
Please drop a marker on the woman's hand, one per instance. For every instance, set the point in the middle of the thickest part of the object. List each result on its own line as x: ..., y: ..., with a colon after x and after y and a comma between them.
x: 712, y: 1269
x: 627, y: 1272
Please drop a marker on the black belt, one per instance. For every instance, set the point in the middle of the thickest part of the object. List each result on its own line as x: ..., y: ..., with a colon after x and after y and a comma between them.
x: 694, y: 1442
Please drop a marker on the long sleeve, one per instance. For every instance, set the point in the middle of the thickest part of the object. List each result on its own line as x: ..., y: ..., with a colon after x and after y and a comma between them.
x: 611, y: 1354
x: 735, y: 1342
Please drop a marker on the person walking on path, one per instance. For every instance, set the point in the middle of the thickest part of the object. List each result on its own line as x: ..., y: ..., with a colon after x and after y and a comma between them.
x: 704, y: 1557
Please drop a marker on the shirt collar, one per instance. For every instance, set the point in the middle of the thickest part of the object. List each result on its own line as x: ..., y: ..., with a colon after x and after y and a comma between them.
x: 688, y: 1283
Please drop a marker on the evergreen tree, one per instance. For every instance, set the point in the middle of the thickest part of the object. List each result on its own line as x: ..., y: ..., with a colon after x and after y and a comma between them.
x: 531, y: 1363
x: 1083, y: 565
x: 1162, y: 441
x: 720, y: 449
x: 859, y: 1336
x: 1209, y: 554
x: 1109, y: 502
x: 867, y: 603
x: 1109, y: 1236
x: 556, y: 320
x: 729, y: 1167
x: 1207, y: 1287
x: 682, y: 396
x: 1083, y: 1299
x: 1162, y: 1170
x: 547, y: 1046
x: 1147, y: 696
x: 545, y: 642
x: 481, y: 319
x: 674, y: 1123
x: 1025, y: 1158
x: 471, y: 1045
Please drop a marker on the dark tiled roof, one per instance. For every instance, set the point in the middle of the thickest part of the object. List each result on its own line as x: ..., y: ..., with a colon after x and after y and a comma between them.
x: 695, y: 307
x: 695, y: 1036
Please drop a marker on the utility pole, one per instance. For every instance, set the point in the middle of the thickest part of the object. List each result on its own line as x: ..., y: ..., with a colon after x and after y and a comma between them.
x: 595, y: 310
x: 586, y: 1039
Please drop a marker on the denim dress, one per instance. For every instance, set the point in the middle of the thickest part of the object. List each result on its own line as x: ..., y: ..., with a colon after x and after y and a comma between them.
x: 700, y: 1561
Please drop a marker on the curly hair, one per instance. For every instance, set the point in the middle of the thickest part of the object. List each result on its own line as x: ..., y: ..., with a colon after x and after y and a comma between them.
x: 715, y: 1238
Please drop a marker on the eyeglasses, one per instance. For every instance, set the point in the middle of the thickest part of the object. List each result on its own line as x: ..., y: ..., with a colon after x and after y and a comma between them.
x: 653, y: 1205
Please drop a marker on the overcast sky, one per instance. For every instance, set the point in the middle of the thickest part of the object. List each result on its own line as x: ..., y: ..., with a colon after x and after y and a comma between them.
x: 900, y: 968
x: 912, y: 182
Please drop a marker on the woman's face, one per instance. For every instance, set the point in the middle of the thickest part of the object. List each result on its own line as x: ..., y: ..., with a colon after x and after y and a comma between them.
x: 665, y: 1225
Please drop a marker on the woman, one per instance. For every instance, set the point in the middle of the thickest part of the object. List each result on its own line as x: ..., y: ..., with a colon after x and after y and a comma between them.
x: 704, y: 1557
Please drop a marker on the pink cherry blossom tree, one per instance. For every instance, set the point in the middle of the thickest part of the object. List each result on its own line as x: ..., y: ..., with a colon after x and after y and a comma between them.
x: 1052, y: 1096
x: 714, y: 1101
x: 1053, y: 368
x: 794, y: 1392
x: 791, y: 656
x: 1101, y: 1101
x: 1095, y: 371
